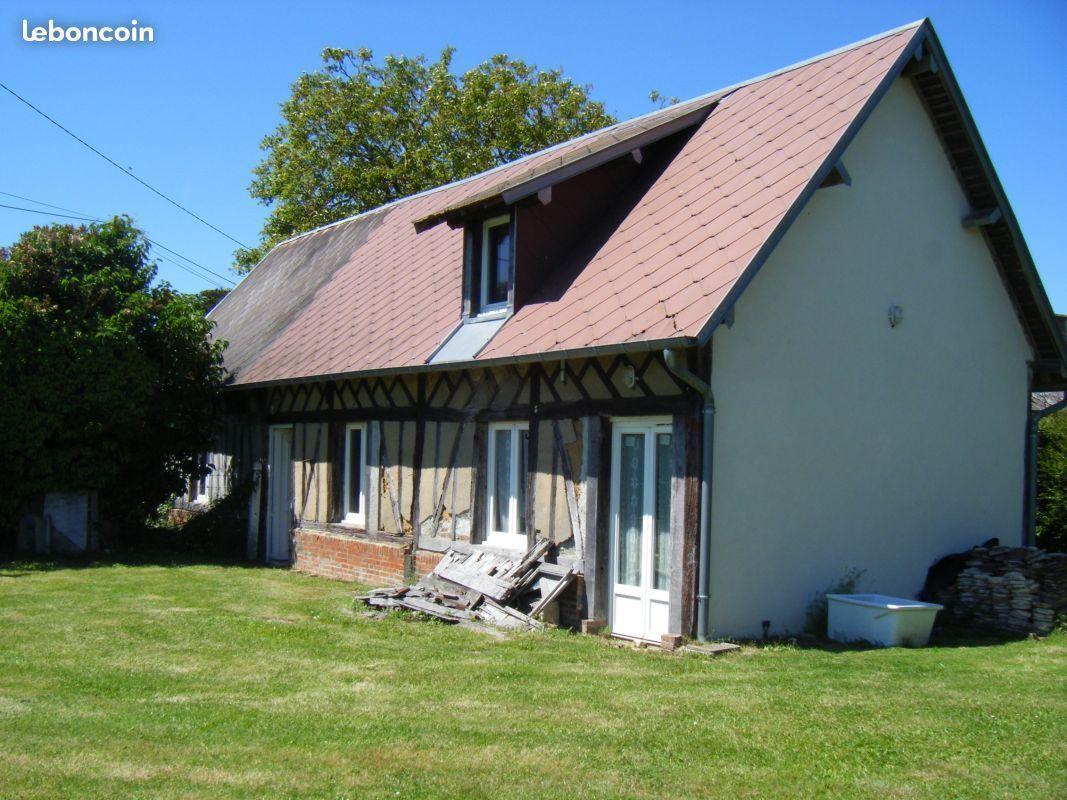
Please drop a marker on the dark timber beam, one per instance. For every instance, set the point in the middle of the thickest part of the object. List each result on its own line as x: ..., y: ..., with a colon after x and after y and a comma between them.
x: 982, y: 217
x: 596, y: 450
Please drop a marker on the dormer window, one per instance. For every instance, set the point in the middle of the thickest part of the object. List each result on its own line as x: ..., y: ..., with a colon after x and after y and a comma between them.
x: 490, y: 266
x: 496, y: 263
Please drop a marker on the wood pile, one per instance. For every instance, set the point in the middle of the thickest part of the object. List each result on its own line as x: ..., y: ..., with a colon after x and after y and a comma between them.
x: 1011, y: 589
x: 472, y: 586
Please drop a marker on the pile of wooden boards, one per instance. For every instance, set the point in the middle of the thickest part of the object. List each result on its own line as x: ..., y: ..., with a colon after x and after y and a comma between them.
x: 472, y: 585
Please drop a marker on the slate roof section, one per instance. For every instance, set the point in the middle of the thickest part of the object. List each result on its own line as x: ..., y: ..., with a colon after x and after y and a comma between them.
x: 377, y: 293
x: 685, y: 244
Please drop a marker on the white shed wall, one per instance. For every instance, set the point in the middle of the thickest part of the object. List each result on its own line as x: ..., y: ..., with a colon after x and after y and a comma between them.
x: 841, y: 442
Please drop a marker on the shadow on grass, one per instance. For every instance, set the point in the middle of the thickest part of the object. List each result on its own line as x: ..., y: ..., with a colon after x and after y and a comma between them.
x: 14, y: 564
x: 943, y: 637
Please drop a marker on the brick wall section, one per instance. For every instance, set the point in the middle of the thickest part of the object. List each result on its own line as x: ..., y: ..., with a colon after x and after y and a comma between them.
x: 425, y: 561
x: 350, y: 557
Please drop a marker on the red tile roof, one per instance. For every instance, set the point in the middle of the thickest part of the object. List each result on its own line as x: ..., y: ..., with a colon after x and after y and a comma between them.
x: 662, y: 274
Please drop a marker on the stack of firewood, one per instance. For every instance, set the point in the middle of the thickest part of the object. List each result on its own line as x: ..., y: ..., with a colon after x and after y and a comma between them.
x: 472, y: 585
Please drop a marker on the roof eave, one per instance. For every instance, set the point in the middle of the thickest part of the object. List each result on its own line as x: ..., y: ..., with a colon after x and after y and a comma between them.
x: 621, y: 348
x: 924, y: 36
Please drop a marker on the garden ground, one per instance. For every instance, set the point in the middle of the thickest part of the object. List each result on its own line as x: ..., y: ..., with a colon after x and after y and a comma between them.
x: 200, y: 680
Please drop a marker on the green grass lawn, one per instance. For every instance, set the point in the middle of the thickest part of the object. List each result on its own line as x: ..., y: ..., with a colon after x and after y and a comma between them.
x: 228, y: 681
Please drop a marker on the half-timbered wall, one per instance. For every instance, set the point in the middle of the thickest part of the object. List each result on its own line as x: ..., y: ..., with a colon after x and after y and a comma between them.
x: 427, y: 441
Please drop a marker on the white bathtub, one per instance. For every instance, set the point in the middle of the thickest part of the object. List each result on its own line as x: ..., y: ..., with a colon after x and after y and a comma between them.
x: 880, y: 620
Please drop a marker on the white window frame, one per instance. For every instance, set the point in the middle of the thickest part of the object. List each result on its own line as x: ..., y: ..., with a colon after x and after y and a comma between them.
x: 359, y: 515
x: 483, y: 305
x: 510, y: 539
x: 202, y: 498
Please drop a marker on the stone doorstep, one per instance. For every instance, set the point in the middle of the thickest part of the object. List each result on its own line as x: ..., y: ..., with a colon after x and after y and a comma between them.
x: 711, y: 648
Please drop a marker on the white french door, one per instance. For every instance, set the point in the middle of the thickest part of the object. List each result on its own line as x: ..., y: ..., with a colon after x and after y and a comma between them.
x: 279, y: 492
x: 641, y: 473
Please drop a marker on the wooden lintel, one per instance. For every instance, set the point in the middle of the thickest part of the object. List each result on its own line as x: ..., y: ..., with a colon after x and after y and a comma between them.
x: 982, y: 217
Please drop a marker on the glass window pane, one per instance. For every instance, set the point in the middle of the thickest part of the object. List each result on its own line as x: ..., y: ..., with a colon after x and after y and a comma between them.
x: 498, y: 270
x: 661, y: 529
x: 631, y: 507
x: 355, y: 470
x: 501, y: 487
x: 524, y: 444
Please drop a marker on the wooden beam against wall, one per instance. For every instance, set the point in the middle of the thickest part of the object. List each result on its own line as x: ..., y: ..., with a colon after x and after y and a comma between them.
x: 596, y: 450
x: 417, y: 458
x: 685, y: 510
x: 568, y: 488
x: 531, y: 453
x: 374, y: 476
x: 478, y: 488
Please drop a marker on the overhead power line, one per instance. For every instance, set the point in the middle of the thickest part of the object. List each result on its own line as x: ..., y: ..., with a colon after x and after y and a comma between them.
x: 196, y: 269
x: 112, y: 162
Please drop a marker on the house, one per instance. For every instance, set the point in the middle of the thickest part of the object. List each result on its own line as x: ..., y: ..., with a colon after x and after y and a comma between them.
x: 714, y: 353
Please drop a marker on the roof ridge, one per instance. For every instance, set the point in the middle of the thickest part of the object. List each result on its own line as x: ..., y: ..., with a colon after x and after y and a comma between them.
x: 707, y: 97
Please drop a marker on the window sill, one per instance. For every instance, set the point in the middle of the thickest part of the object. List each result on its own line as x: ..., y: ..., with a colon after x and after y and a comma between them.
x: 487, y: 316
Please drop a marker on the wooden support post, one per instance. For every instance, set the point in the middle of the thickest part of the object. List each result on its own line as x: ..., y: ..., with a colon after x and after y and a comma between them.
x: 374, y: 475
x: 416, y: 460
x: 478, y: 488
x: 597, y: 459
x: 264, y: 483
x: 685, y: 521
x: 531, y: 453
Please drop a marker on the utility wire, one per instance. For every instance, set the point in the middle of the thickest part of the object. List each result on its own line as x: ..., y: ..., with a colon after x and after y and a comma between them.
x: 118, y: 166
x: 84, y: 216
x: 227, y: 283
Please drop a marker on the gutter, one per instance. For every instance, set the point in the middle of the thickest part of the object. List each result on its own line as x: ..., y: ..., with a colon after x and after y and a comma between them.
x: 1030, y: 530
x: 673, y: 360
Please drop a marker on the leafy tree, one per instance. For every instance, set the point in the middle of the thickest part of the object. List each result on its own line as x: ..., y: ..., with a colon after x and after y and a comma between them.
x: 360, y: 133
x: 109, y: 382
x: 1052, y: 482
x: 207, y: 299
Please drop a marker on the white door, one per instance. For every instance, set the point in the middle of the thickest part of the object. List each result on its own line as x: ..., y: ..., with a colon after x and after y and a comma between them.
x: 279, y: 492
x: 641, y: 472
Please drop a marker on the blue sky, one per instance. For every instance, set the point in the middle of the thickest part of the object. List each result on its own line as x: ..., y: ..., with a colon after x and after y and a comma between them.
x: 187, y: 113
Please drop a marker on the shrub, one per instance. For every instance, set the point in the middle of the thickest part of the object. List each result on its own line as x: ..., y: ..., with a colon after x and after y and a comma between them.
x: 1052, y: 482
x: 815, y: 621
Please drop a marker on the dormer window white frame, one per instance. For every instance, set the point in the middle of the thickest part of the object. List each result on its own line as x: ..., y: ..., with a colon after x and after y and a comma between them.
x: 355, y: 475
x: 492, y: 300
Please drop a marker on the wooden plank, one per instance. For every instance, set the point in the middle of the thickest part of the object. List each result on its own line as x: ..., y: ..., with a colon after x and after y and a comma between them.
x: 531, y: 453
x: 471, y: 579
x: 555, y: 592
x: 597, y: 454
x: 400, y: 475
x: 568, y: 487
x: 394, y: 501
x: 478, y: 488
x: 452, y: 500
x: 374, y: 476
x: 416, y: 462
x: 449, y: 479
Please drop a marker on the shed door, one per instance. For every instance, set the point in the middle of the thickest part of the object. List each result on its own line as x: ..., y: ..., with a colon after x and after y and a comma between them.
x: 279, y: 493
x: 641, y: 523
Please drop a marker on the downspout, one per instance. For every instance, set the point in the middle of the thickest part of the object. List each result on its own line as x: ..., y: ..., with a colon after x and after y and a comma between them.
x: 1031, y: 469
x: 675, y: 363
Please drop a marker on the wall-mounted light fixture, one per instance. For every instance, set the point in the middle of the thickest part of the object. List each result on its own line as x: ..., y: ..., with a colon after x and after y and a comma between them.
x: 629, y: 376
x: 896, y: 315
